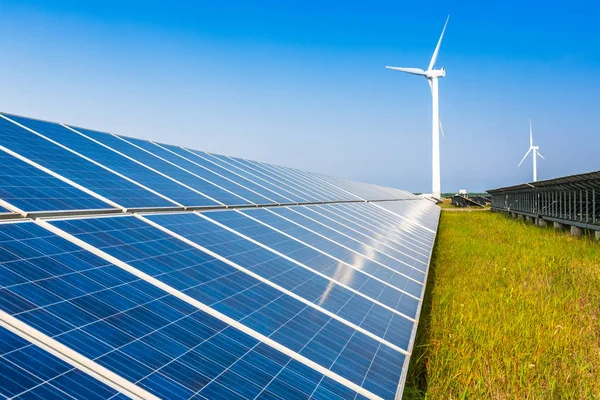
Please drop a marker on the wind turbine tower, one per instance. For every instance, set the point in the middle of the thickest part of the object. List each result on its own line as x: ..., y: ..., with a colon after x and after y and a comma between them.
x: 535, y: 153
x: 432, y: 76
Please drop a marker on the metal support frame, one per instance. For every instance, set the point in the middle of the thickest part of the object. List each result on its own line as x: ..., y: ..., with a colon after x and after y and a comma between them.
x: 568, y: 200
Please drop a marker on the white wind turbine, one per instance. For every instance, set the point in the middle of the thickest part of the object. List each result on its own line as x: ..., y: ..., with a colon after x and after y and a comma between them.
x: 535, y: 153
x: 432, y: 76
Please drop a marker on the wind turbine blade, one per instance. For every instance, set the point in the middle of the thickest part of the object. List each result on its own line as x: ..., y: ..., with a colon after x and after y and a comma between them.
x: 414, y: 71
x: 538, y: 153
x: 437, y: 48
x: 442, y: 130
x: 524, y: 157
x: 530, y: 134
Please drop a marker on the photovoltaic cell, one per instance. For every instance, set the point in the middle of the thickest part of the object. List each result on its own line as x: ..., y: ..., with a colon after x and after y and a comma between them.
x: 29, y: 372
x: 237, y: 184
x: 252, y: 175
x: 127, y: 325
x: 128, y: 168
x: 409, y: 218
x: 178, y: 192
x: 332, y: 192
x: 329, y: 294
x: 277, y: 178
x: 30, y: 189
x: 321, y: 262
x: 365, y: 191
x: 345, y: 238
x: 407, y: 254
x: 409, y: 243
x: 328, y: 246
x: 390, y: 226
x: 290, y: 178
x: 425, y: 213
x: 71, y: 165
x: 243, y: 178
x: 263, y: 308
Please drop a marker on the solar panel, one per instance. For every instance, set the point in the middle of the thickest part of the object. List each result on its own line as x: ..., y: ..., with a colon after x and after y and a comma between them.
x: 407, y: 256
x: 194, y: 184
x: 329, y: 192
x: 364, y: 190
x: 28, y: 371
x: 271, y: 312
x: 254, y: 175
x: 426, y: 214
x: 315, y: 294
x: 30, y: 189
x: 248, y: 189
x: 311, y: 194
x: 267, y: 241
x: 339, y: 252
x: 412, y: 246
x: 345, y: 238
x: 389, y: 224
x: 149, y: 337
x: 71, y: 165
x: 217, y: 164
x: 134, y: 170
x: 325, y: 190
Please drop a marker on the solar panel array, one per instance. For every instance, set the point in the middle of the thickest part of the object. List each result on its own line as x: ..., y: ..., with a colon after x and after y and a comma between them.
x: 134, y: 269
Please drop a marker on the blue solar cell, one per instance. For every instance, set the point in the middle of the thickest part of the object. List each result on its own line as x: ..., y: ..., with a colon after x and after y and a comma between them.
x: 388, y: 225
x: 424, y: 212
x: 410, y: 245
x: 72, y: 166
x: 223, y: 162
x: 120, y: 319
x: 285, y: 176
x: 27, y: 371
x: 118, y: 163
x: 255, y: 304
x: 169, y: 188
x: 348, y: 239
x: 331, y: 248
x: 391, y: 220
x: 333, y: 297
x: 31, y: 189
x: 407, y: 254
x: 309, y: 195
x: 225, y: 179
x: 364, y: 190
x: 314, y: 182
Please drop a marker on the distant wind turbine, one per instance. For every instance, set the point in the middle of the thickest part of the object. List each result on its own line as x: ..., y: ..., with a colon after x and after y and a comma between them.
x: 535, y: 153
x: 432, y: 76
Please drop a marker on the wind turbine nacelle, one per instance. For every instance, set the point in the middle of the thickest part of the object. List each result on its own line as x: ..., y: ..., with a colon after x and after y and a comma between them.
x: 436, y: 73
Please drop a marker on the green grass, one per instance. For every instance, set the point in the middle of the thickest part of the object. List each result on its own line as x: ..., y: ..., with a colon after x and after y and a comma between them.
x: 511, y: 312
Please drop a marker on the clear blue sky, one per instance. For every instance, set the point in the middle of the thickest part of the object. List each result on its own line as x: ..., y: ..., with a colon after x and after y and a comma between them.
x: 302, y: 83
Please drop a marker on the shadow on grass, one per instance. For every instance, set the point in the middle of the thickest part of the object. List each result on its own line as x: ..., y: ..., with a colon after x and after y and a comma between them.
x: 417, y: 379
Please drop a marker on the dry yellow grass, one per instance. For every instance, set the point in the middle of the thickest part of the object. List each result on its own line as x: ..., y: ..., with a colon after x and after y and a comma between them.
x: 511, y: 312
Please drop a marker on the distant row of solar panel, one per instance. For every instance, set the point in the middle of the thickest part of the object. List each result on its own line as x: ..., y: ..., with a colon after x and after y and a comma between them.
x: 302, y: 301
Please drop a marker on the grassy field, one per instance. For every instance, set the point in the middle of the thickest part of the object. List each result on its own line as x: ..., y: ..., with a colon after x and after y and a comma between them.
x: 511, y: 312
